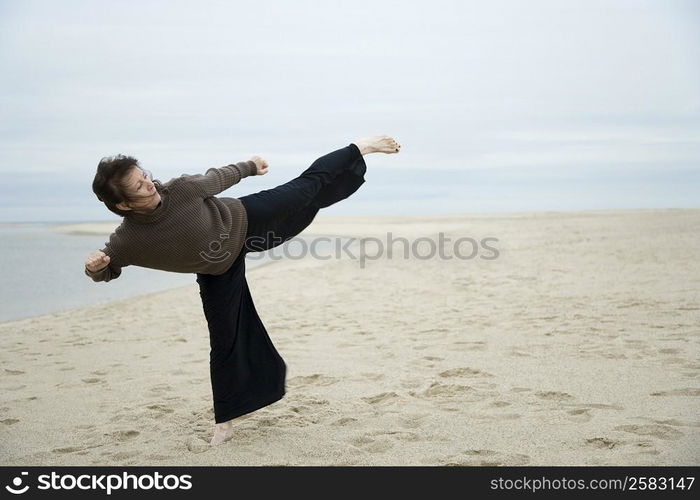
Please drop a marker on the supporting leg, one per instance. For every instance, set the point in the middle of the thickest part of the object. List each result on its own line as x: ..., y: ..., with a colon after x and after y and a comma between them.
x: 247, y: 372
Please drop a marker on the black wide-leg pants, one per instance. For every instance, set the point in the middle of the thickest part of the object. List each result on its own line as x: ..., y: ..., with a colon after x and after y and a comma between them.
x: 247, y: 372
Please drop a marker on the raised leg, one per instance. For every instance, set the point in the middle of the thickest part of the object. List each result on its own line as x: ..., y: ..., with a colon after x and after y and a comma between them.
x: 277, y: 215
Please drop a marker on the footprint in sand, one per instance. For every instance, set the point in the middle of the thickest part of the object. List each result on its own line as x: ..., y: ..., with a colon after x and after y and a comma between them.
x: 598, y: 406
x: 299, y: 416
x: 73, y: 344
x: 344, y: 421
x: 677, y: 423
x: 436, y: 330
x: 305, y: 401
x: 160, y: 389
x: 554, y: 396
x: 579, y: 415
x: 307, y: 412
x: 371, y: 444
x: 495, y: 416
x: 156, y: 457
x: 317, y: 379
x: 68, y: 449
x: 583, y: 412
x: 690, y: 391
x: 197, y: 445
x: 485, y: 458
x: 123, y: 435
x: 464, y: 372
x: 470, y: 346
x: 158, y: 411
x: 500, y: 404
x: 520, y: 353
x: 300, y: 411
x: 401, y: 436
x: 604, y: 443
x: 121, y: 455
x: 645, y: 448
x: 411, y: 384
x: 638, y: 447
x: 421, y: 347
x: 447, y: 391
x: 384, y: 397
x: 381, y: 441
x: 665, y: 432
x: 93, y: 380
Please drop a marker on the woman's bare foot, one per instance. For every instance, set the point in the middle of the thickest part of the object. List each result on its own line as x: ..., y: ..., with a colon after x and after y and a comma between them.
x: 222, y: 433
x: 377, y: 144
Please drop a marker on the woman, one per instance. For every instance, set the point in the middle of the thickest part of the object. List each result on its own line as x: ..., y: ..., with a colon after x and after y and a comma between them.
x: 181, y: 226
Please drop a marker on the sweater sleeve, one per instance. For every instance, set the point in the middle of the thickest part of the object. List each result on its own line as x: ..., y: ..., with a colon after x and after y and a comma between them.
x: 216, y: 180
x: 117, y: 260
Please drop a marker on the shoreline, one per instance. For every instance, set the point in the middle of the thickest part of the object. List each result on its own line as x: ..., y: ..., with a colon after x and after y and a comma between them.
x: 106, y: 227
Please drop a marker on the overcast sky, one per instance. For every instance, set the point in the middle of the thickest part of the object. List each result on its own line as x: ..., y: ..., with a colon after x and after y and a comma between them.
x: 551, y: 89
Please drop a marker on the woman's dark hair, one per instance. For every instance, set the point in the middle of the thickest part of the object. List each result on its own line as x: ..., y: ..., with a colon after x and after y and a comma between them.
x: 107, y: 184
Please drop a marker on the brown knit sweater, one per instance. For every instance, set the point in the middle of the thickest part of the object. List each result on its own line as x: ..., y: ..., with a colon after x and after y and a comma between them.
x: 191, y: 231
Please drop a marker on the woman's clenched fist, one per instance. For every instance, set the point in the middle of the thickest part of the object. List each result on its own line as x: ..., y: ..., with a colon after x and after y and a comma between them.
x: 96, y: 260
x: 260, y: 164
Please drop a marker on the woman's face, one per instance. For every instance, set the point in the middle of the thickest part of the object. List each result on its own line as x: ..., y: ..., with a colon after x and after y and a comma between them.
x: 140, y: 190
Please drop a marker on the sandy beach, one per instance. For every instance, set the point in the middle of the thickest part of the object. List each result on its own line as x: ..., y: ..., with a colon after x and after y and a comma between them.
x: 579, y: 344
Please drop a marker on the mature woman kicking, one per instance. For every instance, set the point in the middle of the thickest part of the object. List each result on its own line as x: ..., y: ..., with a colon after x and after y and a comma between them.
x: 182, y: 226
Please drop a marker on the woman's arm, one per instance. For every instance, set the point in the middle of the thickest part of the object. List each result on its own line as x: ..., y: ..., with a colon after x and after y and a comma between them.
x: 105, y: 264
x: 216, y: 180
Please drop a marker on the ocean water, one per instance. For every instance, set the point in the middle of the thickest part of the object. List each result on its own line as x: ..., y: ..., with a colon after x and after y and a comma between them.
x: 399, y: 191
x: 43, y: 272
